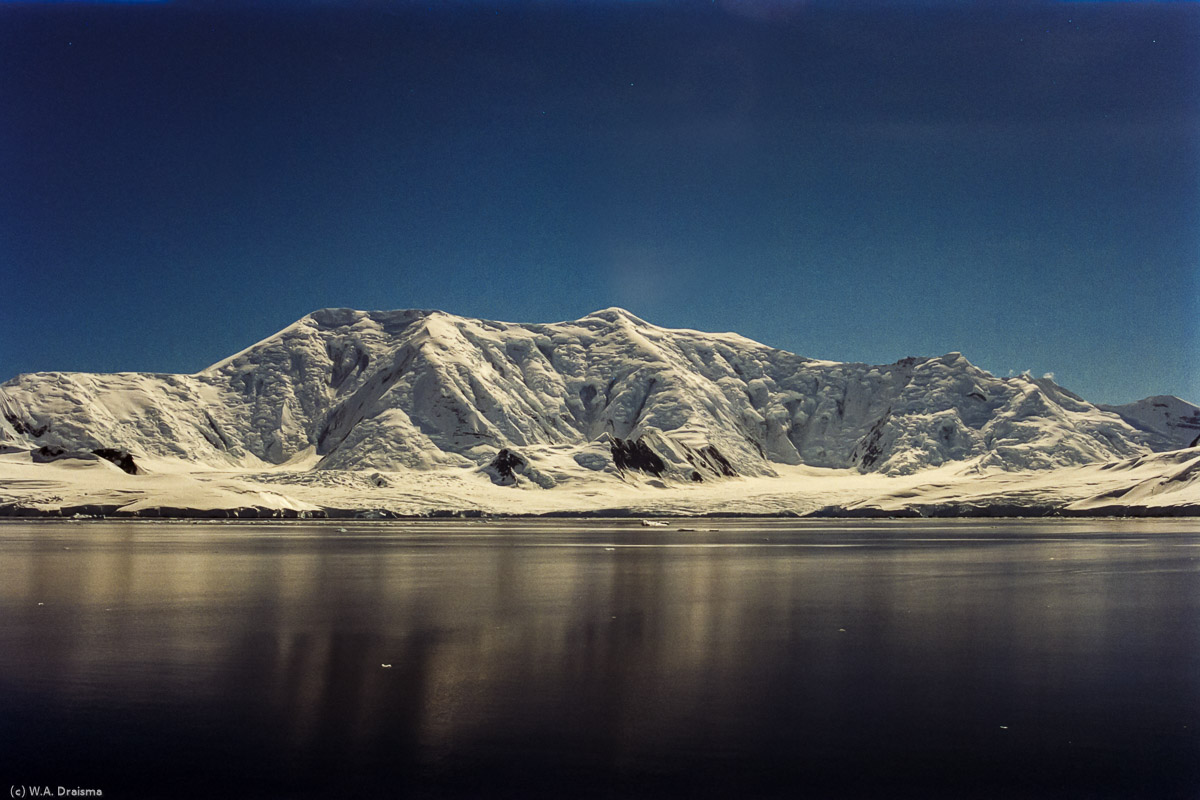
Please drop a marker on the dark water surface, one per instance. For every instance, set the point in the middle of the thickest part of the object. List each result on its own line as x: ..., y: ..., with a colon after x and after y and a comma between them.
x: 601, y: 659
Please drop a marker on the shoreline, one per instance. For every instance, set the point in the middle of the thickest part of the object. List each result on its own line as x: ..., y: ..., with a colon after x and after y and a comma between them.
x: 86, y: 513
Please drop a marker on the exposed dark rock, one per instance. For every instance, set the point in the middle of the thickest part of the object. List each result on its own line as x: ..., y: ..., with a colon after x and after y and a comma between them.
x: 21, y: 427
x: 869, y: 448
x: 711, y: 459
x: 636, y: 454
x: 1195, y: 442
x: 717, y: 461
x: 122, y: 458
x: 347, y: 358
x: 504, y: 467
x: 510, y: 468
x: 46, y: 453
x: 221, y: 439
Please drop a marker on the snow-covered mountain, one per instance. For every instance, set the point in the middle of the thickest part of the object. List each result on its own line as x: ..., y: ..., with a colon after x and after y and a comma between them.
x: 1166, y: 416
x: 354, y: 390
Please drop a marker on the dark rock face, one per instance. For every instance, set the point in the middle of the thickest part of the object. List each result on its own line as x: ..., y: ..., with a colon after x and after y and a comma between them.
x: 636, y: 454
x: 22, y: 428
x: 711, y: 460
x: 510, y: 468
x: 122, y: 458
x: 506, y: 464
x: 869, y: 449
x: 45, y: 454
x: 717, y: 462
x: 1195, y: 442
x: 347, y: 359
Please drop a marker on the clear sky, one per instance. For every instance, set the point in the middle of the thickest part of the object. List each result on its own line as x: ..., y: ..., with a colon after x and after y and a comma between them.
x: 853, y: 181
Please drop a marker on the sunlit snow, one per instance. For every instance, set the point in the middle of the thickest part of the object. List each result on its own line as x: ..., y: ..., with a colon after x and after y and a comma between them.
x: 417, y: 411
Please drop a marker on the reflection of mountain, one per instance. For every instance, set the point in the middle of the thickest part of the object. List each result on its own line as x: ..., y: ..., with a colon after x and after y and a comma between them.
x: 419, y: 390
x: 617, y: 657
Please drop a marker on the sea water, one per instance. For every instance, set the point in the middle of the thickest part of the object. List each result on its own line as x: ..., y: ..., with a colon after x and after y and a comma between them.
x: 710, y: 658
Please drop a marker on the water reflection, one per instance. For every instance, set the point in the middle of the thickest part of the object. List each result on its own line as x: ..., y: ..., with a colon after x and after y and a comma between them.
x: 952, y: 660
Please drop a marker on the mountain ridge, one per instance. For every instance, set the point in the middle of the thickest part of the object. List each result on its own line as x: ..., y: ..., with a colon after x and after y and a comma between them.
x: 1170, y: 417
x: 424, y: 389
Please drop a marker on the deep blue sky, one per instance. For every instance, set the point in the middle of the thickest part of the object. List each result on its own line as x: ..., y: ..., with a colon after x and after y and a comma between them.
x: 853, y: 181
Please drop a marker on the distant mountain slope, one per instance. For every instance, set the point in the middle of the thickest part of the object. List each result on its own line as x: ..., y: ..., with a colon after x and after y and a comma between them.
x: 1174, y: 484
x: 1164, y: 415
x: 424, y: 389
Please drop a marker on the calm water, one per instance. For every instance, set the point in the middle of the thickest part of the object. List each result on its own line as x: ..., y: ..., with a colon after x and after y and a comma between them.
x: 601, y: 659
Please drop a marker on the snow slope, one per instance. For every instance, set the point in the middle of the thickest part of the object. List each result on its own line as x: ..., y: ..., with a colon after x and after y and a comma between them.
x: 1175, y: 420
x: 1161, y: 484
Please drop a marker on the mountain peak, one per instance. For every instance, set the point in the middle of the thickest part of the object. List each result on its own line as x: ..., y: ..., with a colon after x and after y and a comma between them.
x: 1171, y: 417
x: 330, y: 318
x: 616, y: 314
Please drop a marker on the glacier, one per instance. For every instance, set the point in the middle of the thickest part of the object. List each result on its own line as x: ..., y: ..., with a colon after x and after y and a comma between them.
x: 418, y: 411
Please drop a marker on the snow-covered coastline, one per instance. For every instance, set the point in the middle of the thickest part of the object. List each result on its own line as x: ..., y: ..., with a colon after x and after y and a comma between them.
x: 418, y: 413
x: 1159, y: 485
